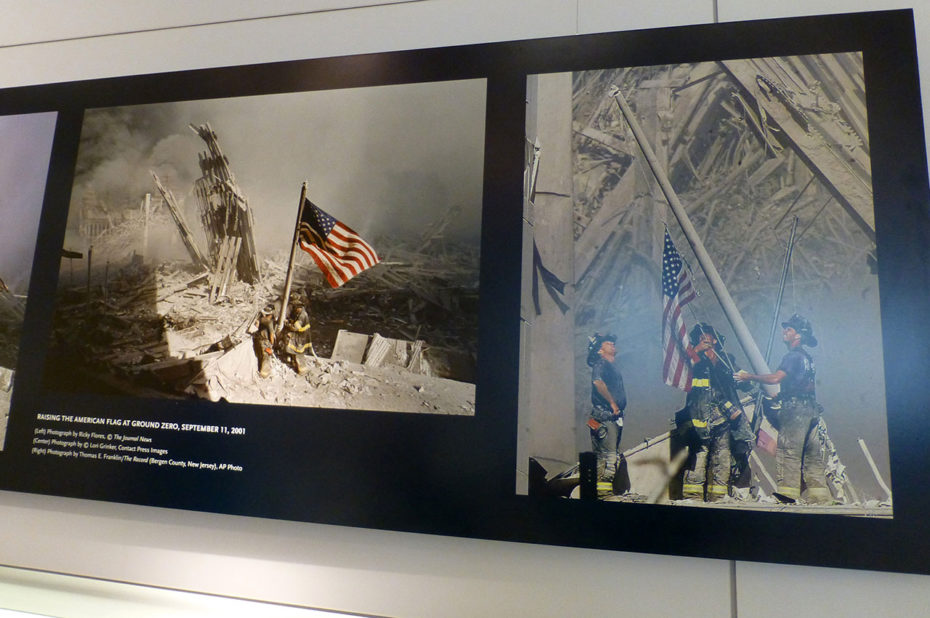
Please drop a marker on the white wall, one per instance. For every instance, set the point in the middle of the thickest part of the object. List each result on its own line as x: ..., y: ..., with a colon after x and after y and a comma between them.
x: 366, y: 571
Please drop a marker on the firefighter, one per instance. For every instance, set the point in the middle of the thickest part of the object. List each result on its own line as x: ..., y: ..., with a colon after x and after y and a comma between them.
x: 297, y: 334
x: 263, y: 339
x: 608, y: 402
x: 800, y: 457
x: 714, y: 418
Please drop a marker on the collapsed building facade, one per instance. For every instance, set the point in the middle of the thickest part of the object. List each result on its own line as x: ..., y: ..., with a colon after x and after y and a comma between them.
x: 152, y: 326
x: 747, y: 147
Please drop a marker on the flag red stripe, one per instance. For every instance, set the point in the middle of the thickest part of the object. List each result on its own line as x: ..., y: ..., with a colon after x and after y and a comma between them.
x: 342, y: 254
x: 676, y: 370
x: 335, y: 271
x: 676, y: 366
x: 323, y: 265
x: 685, y: 292
x: 335, y: 265
x: 766, y: 442
x: 358, y: 257
x: 356, y: 252
x: 347, y: 237
x: 347, y: 268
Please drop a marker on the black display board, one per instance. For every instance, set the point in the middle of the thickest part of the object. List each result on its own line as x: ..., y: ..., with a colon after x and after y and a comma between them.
x: 448, y: 472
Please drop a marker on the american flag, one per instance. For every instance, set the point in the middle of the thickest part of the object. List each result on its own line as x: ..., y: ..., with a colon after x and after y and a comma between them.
x: 765, y: 441
x: 677, y: 292
x: 337, y: 250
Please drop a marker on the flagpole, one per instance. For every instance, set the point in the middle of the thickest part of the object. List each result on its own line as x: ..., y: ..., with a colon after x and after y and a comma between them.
x: 290, y: 264
x: 743, y: 335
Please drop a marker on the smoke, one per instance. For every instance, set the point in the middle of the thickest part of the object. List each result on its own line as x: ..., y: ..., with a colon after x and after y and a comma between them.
x: 25, y: 148
x: 121, y: 146
x: 384, y: 160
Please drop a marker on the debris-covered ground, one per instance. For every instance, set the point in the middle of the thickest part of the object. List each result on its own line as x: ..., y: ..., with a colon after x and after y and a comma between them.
x: 167, y: 309
x: 152, y: 331
x: 11, y: 324
x: 6, y: 394
x: 342, y: 384
x: 648, y: 473
x: 412, y: 295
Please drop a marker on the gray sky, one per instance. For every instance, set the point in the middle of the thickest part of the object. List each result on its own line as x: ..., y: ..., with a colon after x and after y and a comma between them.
x: 384, y: 159
x: 25, y: 148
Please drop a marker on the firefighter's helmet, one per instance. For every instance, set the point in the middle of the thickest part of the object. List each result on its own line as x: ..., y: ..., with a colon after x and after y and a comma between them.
x: 703, y: 328
x: 594, y: 346
x: 801, y: 326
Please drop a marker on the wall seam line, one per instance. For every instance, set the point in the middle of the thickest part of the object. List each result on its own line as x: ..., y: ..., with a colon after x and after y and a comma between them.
x: 205, y: 24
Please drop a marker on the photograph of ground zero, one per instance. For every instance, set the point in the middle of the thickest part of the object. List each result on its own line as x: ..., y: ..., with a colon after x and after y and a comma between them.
x: 701, y: 307
x: 314, y: 249
x: 24, y: 158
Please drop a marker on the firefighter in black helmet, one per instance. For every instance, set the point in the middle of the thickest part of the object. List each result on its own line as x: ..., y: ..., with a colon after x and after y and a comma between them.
x: 297, y: 334
x: 608, y: 402
x: 800, y: 458
x: 714, y: 418
x: 263, y: 340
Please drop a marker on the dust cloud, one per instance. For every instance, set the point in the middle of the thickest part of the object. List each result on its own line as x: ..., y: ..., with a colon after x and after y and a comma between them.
x: 384, y: 160
x: 24, y: 156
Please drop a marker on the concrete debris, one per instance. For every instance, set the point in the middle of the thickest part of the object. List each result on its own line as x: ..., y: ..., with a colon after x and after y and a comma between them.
x: 428, y: 296
x: 6, y: 395
x: 145, y: 321
x: 748, y: 146
x: 224, y: 373
x: 12, y: 308
x: 158, y: 333
x: 384, y: 351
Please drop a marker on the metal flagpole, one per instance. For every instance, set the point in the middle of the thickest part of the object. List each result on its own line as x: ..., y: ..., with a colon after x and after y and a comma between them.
x: 757, y: 418
x: 759, y: 364
x: 290, y: 263
x: 743, y: 335
x: 781, y: 289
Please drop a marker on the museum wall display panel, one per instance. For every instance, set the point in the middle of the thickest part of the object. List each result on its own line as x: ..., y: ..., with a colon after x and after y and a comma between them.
x: 333, y: 567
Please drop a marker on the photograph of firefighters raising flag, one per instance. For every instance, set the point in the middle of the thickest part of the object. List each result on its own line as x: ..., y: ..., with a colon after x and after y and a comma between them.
x: 192, y: 270
x: 717, y: 341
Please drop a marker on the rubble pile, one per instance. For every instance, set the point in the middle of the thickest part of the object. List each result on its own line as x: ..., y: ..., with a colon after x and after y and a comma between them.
x: 747, y: 146
x: 11, y: 324
x: 157, y: 333
x: 395, y: 312
x: 341, y: 384
x: 153, y: 329
x: 423, y: 290
x: 147, y: 324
